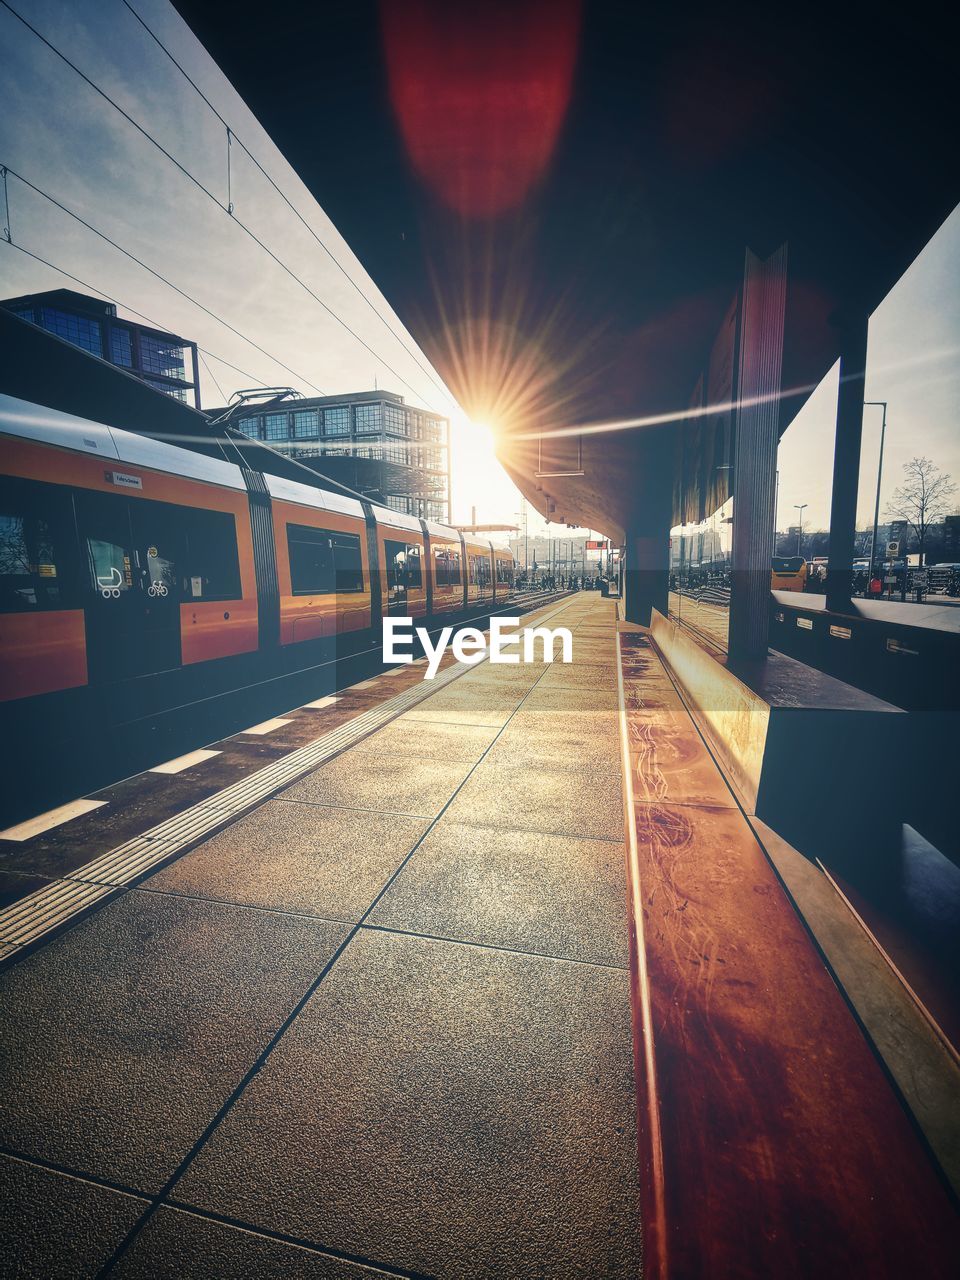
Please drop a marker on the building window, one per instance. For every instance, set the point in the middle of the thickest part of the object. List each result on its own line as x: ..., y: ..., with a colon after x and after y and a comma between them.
x: 336, y: 422
x: 323, y: 561
x: 79, y: 330
x: 306, y: 424
x: 250, y: 427
x: 121, y: 347
x: 275, y: 426
x: 25, y: 313
x: 177, y: 393
x: 395, y: 420
x: 369, y: 419
x: 158, y: 356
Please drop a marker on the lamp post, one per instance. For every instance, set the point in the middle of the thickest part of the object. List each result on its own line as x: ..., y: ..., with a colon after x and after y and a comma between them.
x: 876, y: 508
x: 799, y: 506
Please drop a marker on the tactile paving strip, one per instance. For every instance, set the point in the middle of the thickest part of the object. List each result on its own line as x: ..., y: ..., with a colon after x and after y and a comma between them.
x: 39, y: 913
x: 34, y: 916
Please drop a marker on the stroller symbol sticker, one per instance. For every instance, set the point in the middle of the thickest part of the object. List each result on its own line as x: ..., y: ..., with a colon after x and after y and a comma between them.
x: 110, y: 585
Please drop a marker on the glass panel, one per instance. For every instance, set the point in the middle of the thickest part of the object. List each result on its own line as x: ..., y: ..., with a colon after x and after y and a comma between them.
x: 177, y: 393
x: 121, y: 347
x: 80, y: 330
x: 35, y: 560
x: 804, y: 487
x: 212, y: 566
x: 700, y: 561
x: 336, y: 422
x: 306, y: 424
x: 368, y: 419
x: 250, y: 427
x: 323, y: 561
x: 908, y: 517
x: 311, y: 561
x: 275, y: 426
x: 347, y: 562
x: 395, y: 420
x: 160, y: 356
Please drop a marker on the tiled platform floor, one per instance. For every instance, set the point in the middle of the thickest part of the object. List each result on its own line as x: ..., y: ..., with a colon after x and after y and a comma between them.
x: 381, y: 1025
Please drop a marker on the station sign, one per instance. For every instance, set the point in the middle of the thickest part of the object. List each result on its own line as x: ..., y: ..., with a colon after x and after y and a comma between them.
x: 595, y: 544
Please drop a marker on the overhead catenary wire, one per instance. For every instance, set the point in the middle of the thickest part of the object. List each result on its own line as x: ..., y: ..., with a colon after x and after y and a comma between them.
x: 202, y: 351
x: 145, y: 133
x: 159, y: 276
x: 232, y: 138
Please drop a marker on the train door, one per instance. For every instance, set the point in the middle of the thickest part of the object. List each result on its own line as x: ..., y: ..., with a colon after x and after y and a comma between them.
x: 133, y: 552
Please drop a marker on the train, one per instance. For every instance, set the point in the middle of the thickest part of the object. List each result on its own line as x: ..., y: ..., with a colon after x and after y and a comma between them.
x: 137, y: 575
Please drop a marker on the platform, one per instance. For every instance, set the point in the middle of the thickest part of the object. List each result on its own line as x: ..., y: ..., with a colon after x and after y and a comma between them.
x: 379, y: 1024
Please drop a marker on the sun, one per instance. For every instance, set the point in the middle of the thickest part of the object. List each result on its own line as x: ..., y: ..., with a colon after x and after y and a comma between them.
x: 477, y: 478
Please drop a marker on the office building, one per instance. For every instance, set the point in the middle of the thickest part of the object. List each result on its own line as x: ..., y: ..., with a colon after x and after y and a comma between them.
x: 370, y: 441
x: 162, y: 360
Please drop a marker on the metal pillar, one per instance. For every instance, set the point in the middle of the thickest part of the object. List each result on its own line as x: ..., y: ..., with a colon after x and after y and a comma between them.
x: 846, y: 459
x: 755, y: 463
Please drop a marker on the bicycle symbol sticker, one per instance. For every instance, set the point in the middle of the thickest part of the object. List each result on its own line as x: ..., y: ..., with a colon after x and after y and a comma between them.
x: 157, y: 589
x: 110, y: 586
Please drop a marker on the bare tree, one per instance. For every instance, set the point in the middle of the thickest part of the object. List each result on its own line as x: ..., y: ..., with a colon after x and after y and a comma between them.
x: 922, y: 499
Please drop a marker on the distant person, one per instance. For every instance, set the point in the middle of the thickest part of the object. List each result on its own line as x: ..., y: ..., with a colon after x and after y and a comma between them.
x: 876, y: 586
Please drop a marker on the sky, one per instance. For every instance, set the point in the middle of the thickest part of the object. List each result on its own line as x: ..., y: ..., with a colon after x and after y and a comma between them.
x: 913, y: 362
x: 62, y: 137
x: 552, y: 197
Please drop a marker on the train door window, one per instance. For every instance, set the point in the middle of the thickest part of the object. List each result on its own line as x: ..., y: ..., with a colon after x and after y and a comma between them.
x: 159, y: 549
x: 105, y: 522
x: 211, y: 569
x: 37, y: 547
x: 414, y: 569
x: 403, y: 572
x: 133, y: 629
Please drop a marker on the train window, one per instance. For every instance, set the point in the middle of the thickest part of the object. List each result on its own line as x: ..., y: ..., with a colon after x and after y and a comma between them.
x: 447, y: 567
x: 403, y: 565
x: 323, y: 561
x: 211, y: 566
x: 347, y: 562
x: 36, y: 547
x: 504, y: 571
x: 414, y: 572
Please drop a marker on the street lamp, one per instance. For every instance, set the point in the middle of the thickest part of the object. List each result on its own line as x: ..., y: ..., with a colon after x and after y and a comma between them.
x: 876, y: 509
x: 799, y: 506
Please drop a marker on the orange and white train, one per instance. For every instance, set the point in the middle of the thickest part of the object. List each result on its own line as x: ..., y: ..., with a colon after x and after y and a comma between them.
x: 139, y: 573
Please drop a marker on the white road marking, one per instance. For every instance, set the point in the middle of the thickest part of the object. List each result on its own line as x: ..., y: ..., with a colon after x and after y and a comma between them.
x: 322, y: 702
x: 184, y: 762
x: 47, y: 821
x: 267, y: 726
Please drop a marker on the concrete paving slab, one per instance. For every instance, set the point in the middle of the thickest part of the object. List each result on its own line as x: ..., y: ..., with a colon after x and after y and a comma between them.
x: 456, y: 1111
x: 572, y: 698
x: 580, y: 749
x: 176, y: 1245
x: 466, y: 704
x: 432, y: 740
x: 579, y: 675
x: 550, y: 800
x: 393, y: 783
x: 297, y: 857
x: 120, y: 1039
x: 563, y: 897
x: 56, y: 1227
